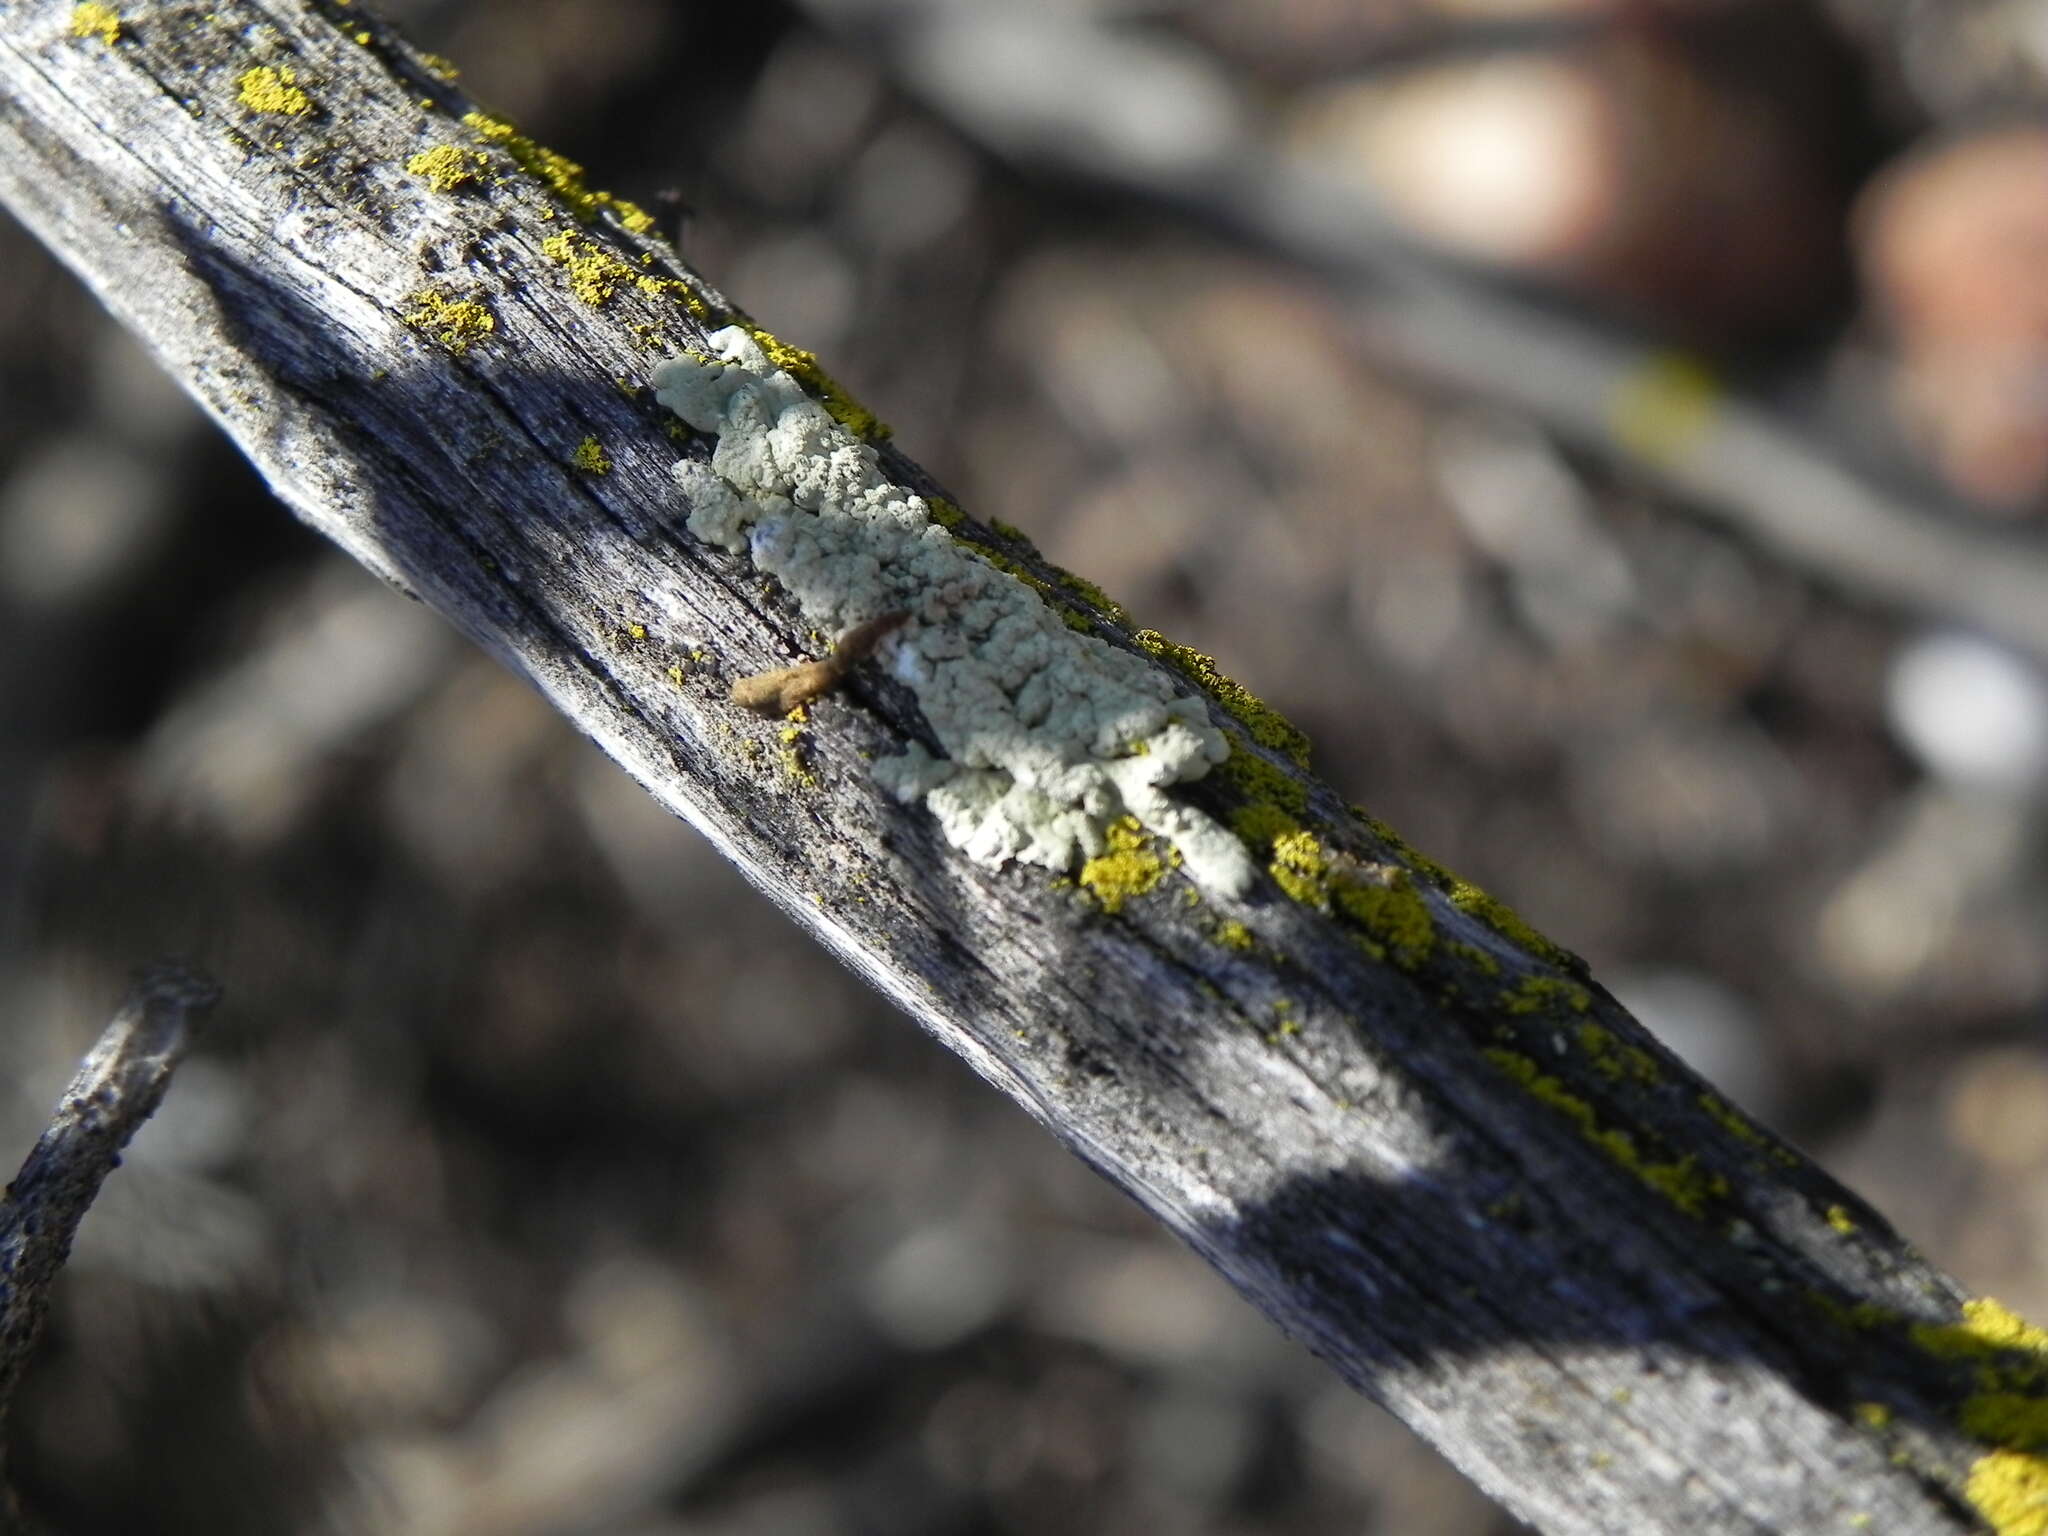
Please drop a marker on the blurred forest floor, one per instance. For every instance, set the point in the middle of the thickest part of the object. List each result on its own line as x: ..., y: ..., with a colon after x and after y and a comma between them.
x: 538, y: 1178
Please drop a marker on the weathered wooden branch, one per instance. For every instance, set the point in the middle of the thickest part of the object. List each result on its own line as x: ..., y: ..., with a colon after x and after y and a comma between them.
x: 1403, y: 1124
x: 118, y: 1086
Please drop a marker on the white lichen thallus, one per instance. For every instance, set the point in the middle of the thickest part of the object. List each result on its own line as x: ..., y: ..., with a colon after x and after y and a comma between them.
x: 1050, y: 735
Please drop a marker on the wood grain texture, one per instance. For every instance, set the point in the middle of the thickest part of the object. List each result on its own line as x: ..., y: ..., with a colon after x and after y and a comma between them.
x: 1409, y: 1130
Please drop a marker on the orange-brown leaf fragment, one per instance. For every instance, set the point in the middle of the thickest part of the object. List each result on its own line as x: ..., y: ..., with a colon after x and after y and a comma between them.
x: 787, y: 688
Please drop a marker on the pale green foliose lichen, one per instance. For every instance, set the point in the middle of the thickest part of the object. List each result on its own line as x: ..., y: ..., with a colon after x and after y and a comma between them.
x: 1050, y: 735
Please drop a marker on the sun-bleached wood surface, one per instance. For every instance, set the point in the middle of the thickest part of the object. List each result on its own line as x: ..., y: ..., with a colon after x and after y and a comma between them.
x: 1406, y: 1127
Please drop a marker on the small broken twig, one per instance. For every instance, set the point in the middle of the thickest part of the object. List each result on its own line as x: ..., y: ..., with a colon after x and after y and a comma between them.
x: 118, y: 1086
x: 786, y: 688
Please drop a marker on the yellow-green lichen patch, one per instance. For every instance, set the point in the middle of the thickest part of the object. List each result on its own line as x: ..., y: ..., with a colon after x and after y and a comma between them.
x: 1544, y: 994
x: 590, y: 457
x: 561, y: 175
x: 1733, y: 1121
x: 804, y: 368
x: 1874, y: 1415
x: 98, y: 21
x: 1988, y: 1329
x: 596, y: 275
x: 275, y: 91
x: 457, y: 324
x: 1232, y: 934
x: 441, y: 69
x: 1267, y: 725
x: 447, y: 168
x: 1840, y: 1219
x: 1301, y: 869
x: 1614, y: 1060
x: 1681, y: 1180
x: 1285, y: 1023
x: 1129, y: 866
x: 1273, y: 801
x: 1378, y: 899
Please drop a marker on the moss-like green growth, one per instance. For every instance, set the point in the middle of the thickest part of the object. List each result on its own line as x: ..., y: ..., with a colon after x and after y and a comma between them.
x: 1610, y: 1058
x: 1470, y: 899
x: 275, y: 91
x: 590, y: 457
x: 1130, y: 866
x: 1474, y: 957
x: 1382, y: 900
x: 1509, y: 924
x: 1273, y: 802
x: 1013, y: 533
x: 447, y: 168
x: 804, y: 368
x: 1070, y: 616
x: 1681, y: 1181
x: 561, y: 175
x: 944, y: 512
x: 1257, y: 780
x: 1267, y: 725
x: 1091, y: 594
x: 1544, y: 994
x: 457, y: 324
x: 1733, y: 1121
x: 98, y: 21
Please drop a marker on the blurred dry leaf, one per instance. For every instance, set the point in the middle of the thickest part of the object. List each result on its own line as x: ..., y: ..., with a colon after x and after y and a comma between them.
x: 1953, y: 244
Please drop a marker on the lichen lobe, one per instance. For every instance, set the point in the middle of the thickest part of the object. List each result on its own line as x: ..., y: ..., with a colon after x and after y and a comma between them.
x: 1050, y: 736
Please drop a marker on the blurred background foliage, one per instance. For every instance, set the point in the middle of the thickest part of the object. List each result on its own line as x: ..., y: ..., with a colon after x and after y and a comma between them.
x: 538, y: 1178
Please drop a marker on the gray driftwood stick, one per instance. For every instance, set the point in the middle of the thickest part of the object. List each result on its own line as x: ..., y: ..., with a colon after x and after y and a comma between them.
x: 1406, y: 1127
x: 118, y: 1086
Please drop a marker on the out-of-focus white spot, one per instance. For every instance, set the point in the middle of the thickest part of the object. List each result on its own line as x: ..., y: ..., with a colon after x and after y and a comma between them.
x: 1971, y: 711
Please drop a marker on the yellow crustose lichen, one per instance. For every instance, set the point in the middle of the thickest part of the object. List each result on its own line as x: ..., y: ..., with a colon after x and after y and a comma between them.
x: 98, y: 21
x: 449, y: 169
x: 275, y: 91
